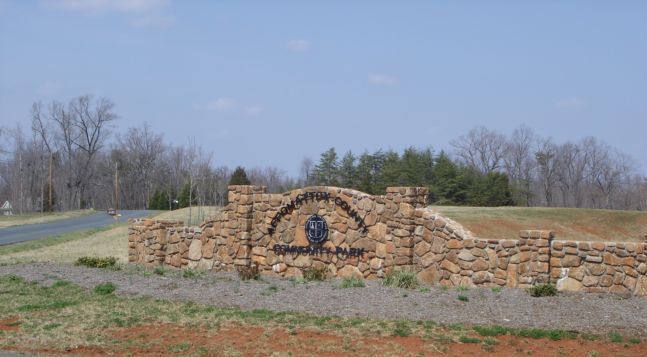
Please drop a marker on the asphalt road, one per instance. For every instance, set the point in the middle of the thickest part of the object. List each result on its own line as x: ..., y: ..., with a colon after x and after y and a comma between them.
x: 17, y: 234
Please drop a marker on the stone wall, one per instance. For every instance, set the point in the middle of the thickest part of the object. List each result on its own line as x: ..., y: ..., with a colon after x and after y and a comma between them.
x: 371, y: 236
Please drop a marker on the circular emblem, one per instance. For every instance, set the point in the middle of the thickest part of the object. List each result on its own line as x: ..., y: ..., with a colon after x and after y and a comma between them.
x: 316, y: 229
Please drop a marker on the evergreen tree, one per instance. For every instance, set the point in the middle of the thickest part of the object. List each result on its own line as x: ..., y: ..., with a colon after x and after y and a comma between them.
x: 446, y: 188
x: 184, y: 196
x: 327, y: 171
x: 389, y: 174
x: 368, y: 171
x: 239, y: 177
x: 348, y: 171
x: 159, y: 201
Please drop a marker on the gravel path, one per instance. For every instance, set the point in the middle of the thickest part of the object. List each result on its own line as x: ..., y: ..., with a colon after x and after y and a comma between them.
x: 597, y: 313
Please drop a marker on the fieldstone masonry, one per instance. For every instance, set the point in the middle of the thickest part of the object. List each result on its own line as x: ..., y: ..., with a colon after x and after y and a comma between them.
x: 371, y: 236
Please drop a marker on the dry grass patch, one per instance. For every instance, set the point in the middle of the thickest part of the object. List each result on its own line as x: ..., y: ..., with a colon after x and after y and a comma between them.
x: 568, y: 223
x: 33, y: 218
x: 197, y: 214
x: 96, y: 243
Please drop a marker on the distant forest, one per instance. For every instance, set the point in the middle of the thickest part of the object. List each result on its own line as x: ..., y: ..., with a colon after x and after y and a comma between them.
x: 71, y: 146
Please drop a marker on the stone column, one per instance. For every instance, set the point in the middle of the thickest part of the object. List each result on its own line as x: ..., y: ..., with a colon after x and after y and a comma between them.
x: 241, y: 220
x: 534, y: 257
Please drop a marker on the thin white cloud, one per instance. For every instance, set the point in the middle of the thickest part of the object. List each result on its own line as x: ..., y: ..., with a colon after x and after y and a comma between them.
x: 383, y: 79
x: 222, y: 104
x: 570, y: 103
x: 298, y: 45
x: 102, y: 6
x: 253, y: 111
x: 159, y: 21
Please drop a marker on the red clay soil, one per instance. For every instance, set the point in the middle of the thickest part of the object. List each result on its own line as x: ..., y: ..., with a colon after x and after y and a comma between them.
x: 238, y: 340
x: 10, y: 324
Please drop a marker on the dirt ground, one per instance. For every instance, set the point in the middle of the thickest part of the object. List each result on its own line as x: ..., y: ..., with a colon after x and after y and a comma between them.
x: 242, y: 340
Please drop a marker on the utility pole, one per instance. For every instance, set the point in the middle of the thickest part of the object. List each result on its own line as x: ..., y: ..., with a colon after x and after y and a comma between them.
x: 116, y: 187
x: 50, y: 182
x: 20, y: 166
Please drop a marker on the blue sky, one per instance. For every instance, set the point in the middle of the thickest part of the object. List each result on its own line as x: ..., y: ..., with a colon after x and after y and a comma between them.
x: 270, y: 82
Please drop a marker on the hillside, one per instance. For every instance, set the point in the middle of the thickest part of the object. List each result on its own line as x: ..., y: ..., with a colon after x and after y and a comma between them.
x: 568, y: 223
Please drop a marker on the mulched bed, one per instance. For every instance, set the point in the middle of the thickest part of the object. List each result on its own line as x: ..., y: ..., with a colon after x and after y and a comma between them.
x: 583, y: 312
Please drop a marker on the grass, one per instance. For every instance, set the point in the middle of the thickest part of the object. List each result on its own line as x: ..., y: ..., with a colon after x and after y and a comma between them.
x: 463, y: 298
x: 49, y: 241
x: 542, y: 290
x: 65, y: 314
x: 105, y: 288
x: 352, y: 283
x: 313, y: 274
x: 568, y: 223
x: 401, y: 279
x: 198, y: 214
x: 616, y: 337
x: 111, y: 241
x: 34, y: 218
x: 96, y: 262
x: 468, y: 339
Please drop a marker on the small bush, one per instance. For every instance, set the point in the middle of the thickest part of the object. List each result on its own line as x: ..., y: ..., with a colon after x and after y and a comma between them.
x: 402, y: 329
x: 248, y: 273
x: 191, y: 273
x: 496, y: 289
x: 105, y: 289
x: 351, y: 283
x: 468, y: 339
x: 314, y: 274
x: 96, y: 262
x: 491, y: 330
x: 402, y: 279
x: 543, y: 290
x: 616, y: 337
x: 463, y: 298
x: 159, y: 271
x: 634, y: 340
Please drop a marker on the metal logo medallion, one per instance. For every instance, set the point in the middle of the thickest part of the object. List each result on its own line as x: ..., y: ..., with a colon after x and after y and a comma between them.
x: 316, y: 229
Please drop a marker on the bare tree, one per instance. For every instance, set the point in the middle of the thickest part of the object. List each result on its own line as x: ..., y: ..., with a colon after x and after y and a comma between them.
x: 546, y: 156
x: 520, y: 162
x: 481, y: 148
x: 144, y: 150
x: 306, y: 171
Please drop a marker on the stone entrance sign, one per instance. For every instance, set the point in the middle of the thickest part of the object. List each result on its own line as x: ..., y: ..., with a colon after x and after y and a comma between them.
x: 348, y: 233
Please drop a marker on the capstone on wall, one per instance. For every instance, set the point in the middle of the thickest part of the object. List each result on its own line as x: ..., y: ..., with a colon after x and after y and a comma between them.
x: 370, y: 236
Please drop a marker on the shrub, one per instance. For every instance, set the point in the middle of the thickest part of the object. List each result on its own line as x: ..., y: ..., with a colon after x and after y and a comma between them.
x: 463, y: 298
x: 313, y: 274
x: 468, y: 339
x: 543, y: 290
x: 402, y: 329
x: 159, y: 271
x: 191, y: 273
x: 248, y: 273
x: 402, y: 279
x: 96, y: 262
x: 616, y: 337
x: 351, y: 283
x: 105, y: 289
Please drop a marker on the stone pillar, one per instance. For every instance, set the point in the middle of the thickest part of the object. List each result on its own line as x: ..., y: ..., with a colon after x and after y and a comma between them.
x: 534, y: 257
x: 241, y: 201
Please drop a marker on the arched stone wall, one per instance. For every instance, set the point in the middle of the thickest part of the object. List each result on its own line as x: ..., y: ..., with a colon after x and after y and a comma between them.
x: 370, y: 236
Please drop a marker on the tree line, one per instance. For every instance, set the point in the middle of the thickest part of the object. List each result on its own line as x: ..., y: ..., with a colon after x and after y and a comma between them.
x: 487, y: 168
x: 70, y: 158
